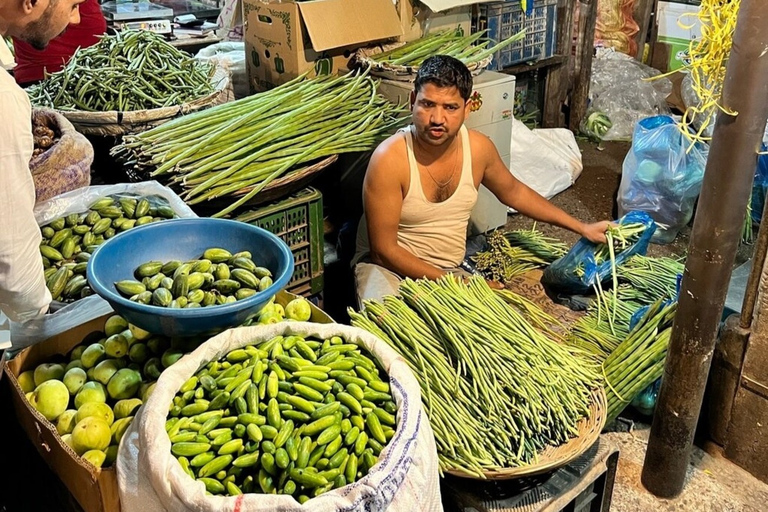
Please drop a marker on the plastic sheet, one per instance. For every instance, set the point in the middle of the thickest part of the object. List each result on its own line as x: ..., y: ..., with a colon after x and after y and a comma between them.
x: 562, y: 275
x: 230, y: 56
x: 662, y: 175
x: 620, y: 90
x: 84, y: 310
x: 760, y: 187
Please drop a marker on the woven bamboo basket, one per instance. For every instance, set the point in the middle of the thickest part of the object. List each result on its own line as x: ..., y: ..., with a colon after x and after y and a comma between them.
x: 365, y: 58
x: 279, y: 188
x: 556, y: 456
x: 114, y: 123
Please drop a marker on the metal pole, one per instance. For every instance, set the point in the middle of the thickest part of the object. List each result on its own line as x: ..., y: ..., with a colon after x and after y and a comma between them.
x: 714, y: 241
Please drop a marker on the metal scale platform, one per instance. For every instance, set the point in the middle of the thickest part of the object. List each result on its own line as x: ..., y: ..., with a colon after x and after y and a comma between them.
x: 585, y: 485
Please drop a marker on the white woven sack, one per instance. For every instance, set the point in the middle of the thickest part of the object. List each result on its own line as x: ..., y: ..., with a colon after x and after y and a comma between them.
x: 405, y: 478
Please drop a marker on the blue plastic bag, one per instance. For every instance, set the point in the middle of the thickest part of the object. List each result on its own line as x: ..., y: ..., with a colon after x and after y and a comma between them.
x: 662, y: 175
x: 759, y: 187
x: 561, y: 275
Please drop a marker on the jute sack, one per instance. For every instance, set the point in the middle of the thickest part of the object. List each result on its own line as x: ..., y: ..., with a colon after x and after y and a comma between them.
x: 66, y: 165
x: 405, y: 478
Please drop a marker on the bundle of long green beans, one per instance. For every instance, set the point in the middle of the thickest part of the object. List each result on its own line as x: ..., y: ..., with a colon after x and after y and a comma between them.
x: 469, y: 49
x: 131, y: 70
x: 501, y: 262
x: 639, y: 359
x: 534, y: 241
x: 605, y: 325
x: 497, y: 391
x: 512, y: 253
x: 652, y: 278
x: 238, y: 148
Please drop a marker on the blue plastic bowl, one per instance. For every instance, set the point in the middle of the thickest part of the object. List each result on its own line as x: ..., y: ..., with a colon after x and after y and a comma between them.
x: 186, y: 239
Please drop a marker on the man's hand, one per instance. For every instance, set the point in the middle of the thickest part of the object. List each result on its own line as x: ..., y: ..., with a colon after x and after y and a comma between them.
x: 595, y: 232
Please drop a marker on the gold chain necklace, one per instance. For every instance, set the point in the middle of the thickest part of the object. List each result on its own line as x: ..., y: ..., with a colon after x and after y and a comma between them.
x: 453, y: 173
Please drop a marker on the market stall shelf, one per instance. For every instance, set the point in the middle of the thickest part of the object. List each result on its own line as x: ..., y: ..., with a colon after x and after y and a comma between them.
x: 584, y: 484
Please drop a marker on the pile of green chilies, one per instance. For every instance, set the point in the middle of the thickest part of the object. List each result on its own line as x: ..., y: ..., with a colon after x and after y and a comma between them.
x: 653, y: 278
x: 131, y: 70
x: 469, y: 49
x: 238, y: 148
x: 639, y: 359
x: 497, y: 391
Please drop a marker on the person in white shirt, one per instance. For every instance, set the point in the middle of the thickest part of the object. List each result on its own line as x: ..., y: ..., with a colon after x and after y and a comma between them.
x: 23, y: 294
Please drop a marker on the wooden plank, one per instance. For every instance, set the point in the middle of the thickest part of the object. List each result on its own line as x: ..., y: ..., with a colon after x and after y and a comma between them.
x: 556, y: 88
x: 585, y: 49
x: 527, y: 67
x: 642, y: 15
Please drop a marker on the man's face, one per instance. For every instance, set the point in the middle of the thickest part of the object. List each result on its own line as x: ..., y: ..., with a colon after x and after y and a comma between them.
x: 43, y: 20
x: 437, y: 113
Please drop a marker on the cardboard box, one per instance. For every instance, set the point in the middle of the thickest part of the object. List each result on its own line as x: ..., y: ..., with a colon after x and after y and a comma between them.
x: 95, y: 489
x: 283, y: 40
x: 417, y: 19
x: 677, y: 27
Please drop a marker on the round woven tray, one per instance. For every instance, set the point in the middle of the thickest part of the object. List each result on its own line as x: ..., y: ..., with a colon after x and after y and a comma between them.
x: 554, y: 457
x: 115, y: 123
x: 364, y: 57
x: 278, y: 189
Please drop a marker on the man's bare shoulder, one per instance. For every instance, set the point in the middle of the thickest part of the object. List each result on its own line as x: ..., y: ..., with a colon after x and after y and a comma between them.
x: 479, y: 141
x: 390, y: 158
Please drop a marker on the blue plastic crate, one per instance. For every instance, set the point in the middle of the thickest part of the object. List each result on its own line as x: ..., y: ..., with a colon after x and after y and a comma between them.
x: 504, y: 19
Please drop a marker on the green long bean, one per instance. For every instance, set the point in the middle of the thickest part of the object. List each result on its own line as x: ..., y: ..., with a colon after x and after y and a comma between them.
x: 233, y: 151
x: 469, y: 49
x: 131, y: 70
x: 496, y: 388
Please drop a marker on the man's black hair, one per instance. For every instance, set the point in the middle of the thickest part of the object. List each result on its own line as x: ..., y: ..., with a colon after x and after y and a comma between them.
x: 445, y: 71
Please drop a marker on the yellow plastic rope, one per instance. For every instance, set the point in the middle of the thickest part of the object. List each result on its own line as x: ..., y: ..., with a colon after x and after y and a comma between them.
x: 708, y: 58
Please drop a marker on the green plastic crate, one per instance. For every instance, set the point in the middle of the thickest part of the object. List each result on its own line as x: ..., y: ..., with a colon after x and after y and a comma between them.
x: 298, y: 220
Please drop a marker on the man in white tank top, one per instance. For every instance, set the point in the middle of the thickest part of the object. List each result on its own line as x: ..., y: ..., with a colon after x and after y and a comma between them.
x: 422, y: 182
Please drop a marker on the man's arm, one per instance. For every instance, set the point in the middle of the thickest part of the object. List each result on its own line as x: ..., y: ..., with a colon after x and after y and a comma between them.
x: 23, y: 294
x: 515, y: 194
x: 385, y: 181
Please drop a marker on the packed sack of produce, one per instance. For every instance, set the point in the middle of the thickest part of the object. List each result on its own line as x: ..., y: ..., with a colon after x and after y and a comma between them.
x: 62, y: 157
x: 292, y: 416
x: 73, y: 225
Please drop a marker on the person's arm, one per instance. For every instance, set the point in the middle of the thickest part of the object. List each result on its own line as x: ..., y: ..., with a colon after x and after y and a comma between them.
x: 515, y: 194
x: 383, y: 189
x: 23, y: 294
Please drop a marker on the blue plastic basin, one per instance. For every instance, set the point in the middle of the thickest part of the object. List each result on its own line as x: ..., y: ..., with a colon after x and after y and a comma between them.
x: 186, y: 239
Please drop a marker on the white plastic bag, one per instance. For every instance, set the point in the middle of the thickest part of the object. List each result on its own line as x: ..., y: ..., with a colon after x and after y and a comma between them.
x: 405, y: 478
x: 619, y: 89
x: 83, y: 310
x: 230, y: 56
x: 230, y: 20
x: 547, y: 160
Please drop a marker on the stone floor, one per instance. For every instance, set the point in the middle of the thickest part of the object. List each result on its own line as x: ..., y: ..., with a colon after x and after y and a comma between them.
x: 713, y: 483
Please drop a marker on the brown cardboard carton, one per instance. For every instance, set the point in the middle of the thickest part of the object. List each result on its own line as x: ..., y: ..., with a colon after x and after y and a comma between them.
x: 95, y: 489
x: 417, y: 19
x: 283, y: 40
